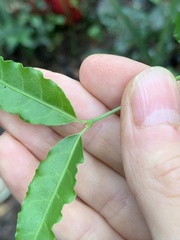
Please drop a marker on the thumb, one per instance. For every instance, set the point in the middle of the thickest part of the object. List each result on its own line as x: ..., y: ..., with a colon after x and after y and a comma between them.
x: 150, y: 140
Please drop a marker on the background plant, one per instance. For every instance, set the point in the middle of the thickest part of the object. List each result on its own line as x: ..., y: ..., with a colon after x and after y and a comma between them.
x: 20, y: 28
x: 142, y: 30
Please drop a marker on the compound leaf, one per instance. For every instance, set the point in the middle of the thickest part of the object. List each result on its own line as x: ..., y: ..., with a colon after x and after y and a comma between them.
x: 51, y: 188
x: 24, y: 91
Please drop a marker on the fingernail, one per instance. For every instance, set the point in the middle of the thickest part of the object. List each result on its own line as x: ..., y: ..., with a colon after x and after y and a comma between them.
x: 155, y: 98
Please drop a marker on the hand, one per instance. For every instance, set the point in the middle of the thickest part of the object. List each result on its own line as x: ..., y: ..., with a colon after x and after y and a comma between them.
x: 143, y: 205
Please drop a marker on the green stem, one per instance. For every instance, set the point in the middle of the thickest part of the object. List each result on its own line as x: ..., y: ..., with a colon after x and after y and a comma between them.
x: 85, y: 129
x: 90, y: 122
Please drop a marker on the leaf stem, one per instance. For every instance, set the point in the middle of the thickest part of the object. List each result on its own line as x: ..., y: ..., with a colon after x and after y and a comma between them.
x: 85, y: 129
x: 90, y: 122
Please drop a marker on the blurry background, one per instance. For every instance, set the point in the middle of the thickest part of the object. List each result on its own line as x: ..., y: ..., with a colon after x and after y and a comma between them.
x: 59, y: 34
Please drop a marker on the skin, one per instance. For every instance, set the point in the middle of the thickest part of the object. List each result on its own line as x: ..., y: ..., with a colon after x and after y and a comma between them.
x: 128, y: 186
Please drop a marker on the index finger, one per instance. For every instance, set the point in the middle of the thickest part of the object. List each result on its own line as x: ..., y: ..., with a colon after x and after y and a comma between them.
x: 106, y: 76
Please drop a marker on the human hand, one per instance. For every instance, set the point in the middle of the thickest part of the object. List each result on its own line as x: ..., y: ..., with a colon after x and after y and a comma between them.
x: 105, y: 208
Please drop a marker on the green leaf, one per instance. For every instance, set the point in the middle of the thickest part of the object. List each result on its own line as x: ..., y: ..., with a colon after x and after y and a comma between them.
x: 177, y: 27
x: 51, y: 188
x: 24, y: 91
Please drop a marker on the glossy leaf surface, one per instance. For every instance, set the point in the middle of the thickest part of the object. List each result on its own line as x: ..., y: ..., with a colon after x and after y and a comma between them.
x: 50, y: 189
x: 24, y: 91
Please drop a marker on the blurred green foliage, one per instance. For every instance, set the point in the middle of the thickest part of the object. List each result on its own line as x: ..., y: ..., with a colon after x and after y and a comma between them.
x: 177, y: 27
x: 21, y: 28
x: 142, y: 31
x: 139, y: 29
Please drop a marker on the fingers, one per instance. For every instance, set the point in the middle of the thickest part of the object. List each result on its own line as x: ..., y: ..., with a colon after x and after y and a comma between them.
x: 96, y: 142
x: 105, y: 191
x: 82, y: 223
x: 87, y: 106
x: 105, y: 76
x: 98, y: 186
x: 37, y: 139
x: 17, y: 165
x: 150, y: 148
x: 18, y: 172
x: 99, y: 75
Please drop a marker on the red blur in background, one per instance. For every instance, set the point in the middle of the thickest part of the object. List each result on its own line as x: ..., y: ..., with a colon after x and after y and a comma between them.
x: 65, y: 8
